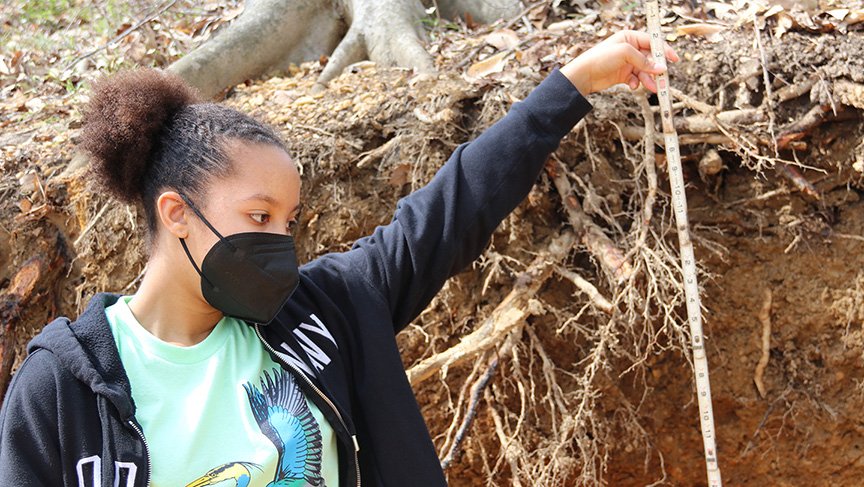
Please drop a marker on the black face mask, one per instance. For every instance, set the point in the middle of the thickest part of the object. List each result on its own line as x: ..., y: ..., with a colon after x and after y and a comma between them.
x: 247, y: 275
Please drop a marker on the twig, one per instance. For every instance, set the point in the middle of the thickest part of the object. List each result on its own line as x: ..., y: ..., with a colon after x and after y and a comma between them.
x: 378, y: 152
x: 765, y: 319
x: 121, y: 36
x: 91, y: 224
x: 325, y: 133
x: 476, y: 392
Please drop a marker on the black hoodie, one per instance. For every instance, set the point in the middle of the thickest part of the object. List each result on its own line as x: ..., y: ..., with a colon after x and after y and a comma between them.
x: 68, y: 417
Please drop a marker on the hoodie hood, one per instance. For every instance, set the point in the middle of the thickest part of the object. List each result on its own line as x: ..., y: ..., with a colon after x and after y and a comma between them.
x: 87, y: 349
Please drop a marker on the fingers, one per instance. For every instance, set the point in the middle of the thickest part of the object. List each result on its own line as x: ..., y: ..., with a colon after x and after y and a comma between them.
x: 670, y: 53
x: 641, y: 62
x: 642, y: 41
x: 648, y: 81
x: 638, y: 39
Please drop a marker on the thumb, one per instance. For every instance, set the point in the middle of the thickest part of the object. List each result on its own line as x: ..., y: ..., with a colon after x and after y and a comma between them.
x: 642, y: 62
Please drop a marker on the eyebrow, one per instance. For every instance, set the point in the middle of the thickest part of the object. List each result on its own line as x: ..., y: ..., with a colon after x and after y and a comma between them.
x: 263, y: 197
x: 271, y: 200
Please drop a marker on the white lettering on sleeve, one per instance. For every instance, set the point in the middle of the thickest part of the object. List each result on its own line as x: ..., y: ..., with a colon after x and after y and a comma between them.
x: 319, y: 328
x: 291, y: 357
x: 316, y: 355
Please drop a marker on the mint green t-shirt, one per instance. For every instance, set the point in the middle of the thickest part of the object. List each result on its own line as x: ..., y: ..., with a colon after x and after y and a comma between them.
x: 213, y: 412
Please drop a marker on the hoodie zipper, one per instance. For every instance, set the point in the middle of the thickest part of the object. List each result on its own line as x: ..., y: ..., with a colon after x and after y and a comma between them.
x: 320, y: 394
x: 146, y: 448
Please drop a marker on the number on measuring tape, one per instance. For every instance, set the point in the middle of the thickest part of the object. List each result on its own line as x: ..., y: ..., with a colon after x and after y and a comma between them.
x: 688, y: 260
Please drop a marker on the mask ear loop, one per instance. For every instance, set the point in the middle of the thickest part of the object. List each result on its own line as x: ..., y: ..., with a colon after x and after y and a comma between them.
x: 186, y: 249
x: 201, y: 217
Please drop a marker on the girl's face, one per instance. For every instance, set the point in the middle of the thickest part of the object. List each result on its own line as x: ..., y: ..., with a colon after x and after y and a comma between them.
x: 261, y: 194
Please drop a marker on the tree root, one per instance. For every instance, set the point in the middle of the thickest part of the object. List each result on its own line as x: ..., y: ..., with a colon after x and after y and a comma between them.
x: 270, y: 35
x: 634, y: 133
x: 765, y: 319
x: 597, y: 299
x: 598, y: 244
x: 702, y: 123
x: 387, y: 31
x: 648, y: 162
x: 509, y: 314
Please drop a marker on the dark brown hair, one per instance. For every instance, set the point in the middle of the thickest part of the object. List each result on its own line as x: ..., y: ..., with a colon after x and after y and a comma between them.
x: 147, y: 131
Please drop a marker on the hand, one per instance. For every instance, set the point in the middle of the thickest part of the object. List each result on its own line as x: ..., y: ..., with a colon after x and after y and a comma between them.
x: 624, y: 57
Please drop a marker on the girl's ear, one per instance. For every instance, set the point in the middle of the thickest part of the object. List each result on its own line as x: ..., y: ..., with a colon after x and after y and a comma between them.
x: 173, y: 213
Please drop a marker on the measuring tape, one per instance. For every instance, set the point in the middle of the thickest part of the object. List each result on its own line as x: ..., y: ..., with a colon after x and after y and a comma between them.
x: 685, y: 244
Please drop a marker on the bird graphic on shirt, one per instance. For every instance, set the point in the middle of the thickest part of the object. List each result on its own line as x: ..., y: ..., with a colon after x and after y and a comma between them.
x: 236, y: 471
x: 281, y: 411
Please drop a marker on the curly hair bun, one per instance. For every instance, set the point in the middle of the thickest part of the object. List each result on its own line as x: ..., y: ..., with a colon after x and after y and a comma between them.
x: 122, y: 123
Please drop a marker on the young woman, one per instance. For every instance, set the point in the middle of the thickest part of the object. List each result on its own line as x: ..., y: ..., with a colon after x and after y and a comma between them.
x: 232, y: 366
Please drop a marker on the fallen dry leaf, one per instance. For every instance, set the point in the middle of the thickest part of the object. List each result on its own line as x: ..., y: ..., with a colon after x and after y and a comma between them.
x: 502, y: 39
x: 708, y: 31
x: 399, y: 175
x: 303, y: 100
x: 774, y: 10
x: 855, y: 17
x: 563, y: 25
x: 785, y: 22
x: 838, y: 13
x: 25, y: 205
x: 34, y: 104
x: 722, y: 10
x: 492, y: 64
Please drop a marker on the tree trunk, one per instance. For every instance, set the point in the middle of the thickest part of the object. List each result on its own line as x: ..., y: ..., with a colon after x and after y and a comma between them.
x: 270, y: 34
x: 482, y: 11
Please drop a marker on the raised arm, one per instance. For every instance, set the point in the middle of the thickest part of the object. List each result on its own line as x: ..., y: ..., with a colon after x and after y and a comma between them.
x: 442, y: 227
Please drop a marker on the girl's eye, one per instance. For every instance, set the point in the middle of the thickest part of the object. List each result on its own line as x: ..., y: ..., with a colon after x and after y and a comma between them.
x: 260, y: 217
